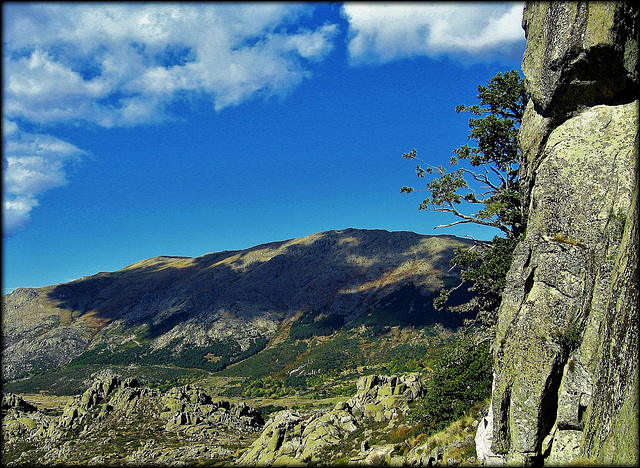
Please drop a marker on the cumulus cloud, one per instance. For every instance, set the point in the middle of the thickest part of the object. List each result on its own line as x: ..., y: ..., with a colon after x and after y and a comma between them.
x: 380, y: 33
x: 121, y: 64
x: 32, y: 165
x: 124, y: 64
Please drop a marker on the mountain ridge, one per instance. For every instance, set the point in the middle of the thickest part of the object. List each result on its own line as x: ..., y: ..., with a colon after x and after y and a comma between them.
x: 184, y: 304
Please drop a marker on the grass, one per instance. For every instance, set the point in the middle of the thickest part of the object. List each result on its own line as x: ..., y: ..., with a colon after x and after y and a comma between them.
x: 455, y: 438
x: 560, y: 238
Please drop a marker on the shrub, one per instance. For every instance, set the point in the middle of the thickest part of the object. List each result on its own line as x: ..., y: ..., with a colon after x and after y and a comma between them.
x: 312, y: 324
x: 462, y: 377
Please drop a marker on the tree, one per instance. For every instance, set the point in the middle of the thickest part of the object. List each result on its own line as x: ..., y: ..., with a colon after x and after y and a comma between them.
x: 490, y: 182
x: 462, y: 378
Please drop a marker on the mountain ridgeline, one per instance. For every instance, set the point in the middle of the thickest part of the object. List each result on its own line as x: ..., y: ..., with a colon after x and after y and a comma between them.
x: 213, y: 311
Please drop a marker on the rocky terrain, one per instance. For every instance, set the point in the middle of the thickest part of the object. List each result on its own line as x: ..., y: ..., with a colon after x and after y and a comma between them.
x: 566, y: 346
x: 118, y: 422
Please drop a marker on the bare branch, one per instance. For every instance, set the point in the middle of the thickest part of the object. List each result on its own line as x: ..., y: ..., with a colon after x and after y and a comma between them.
x: 469, y: 219
x: 506, y: 184
x: 482, y: 178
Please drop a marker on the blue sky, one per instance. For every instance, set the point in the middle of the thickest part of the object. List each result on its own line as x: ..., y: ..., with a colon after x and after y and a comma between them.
x: 132, y: 130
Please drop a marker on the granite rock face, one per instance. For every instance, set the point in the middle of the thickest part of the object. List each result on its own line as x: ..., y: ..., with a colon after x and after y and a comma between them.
x: 566, y: 340
x: 580, y: 54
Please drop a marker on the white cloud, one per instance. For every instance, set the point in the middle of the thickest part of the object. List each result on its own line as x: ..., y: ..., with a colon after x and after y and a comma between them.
x: 16, y: 214
x: 32, y: 165
x: 313, y: 45
x: 380, y: 33
x: 121, y: 64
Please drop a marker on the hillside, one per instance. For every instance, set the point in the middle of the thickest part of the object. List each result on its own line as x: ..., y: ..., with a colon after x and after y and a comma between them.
x: 212, y: 311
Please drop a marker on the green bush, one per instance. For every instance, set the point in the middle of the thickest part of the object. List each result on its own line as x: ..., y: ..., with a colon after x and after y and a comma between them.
x: 462, y: 378
x: 265, y: 411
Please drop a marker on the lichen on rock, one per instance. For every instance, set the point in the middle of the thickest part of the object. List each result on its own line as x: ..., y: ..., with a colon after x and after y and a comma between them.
x: 571, y: 301
x: 294, y: 437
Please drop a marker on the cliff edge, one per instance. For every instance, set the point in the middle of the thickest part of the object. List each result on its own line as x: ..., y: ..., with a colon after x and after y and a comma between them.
x: 566, y: 345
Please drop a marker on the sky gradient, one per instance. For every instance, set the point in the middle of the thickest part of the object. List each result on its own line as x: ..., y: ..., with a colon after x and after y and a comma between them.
x: 132, y: 130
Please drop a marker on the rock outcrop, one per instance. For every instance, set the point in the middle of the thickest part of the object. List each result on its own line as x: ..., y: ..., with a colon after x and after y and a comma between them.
x: 566, y: 342
x: 294, y: 438
x: 11, y: 401
x: 119, y: 421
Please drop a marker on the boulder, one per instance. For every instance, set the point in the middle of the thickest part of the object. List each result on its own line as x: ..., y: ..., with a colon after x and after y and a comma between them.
x: 10, y: 400
x: 291, y: 437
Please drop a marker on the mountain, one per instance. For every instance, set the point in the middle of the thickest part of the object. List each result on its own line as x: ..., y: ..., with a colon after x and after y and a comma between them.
x: 215, y: 310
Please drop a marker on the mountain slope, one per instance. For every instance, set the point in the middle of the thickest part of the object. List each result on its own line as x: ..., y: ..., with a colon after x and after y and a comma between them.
x: 213, y: 310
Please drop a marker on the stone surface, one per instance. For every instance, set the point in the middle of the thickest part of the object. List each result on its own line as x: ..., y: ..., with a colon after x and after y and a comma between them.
x: 580, y: 54
x: 566, y: 340
x: 118, y: 421
x: 292, y: 437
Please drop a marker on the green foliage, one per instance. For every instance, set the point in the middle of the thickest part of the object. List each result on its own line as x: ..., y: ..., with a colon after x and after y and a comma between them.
x: 334, y: 356
x: 486, y: 271
x: 462, y: 378
x: 227, y: 352
x: 406, y: 359
x: 345, y: 389
x: 268, y: 386
x: 313, y: 324
x: 270, y: 361
x: 71, y: 380
x: 266, y: 410
x: 490, y: 182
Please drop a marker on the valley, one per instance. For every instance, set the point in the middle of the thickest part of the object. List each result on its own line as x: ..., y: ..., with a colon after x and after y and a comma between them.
x: 293, y: 330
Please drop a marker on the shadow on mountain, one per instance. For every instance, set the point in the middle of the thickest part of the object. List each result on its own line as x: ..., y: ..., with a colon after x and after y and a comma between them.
x: 409, y: 307
x: 343, y: 272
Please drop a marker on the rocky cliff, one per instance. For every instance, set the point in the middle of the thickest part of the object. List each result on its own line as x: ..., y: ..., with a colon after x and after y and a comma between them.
x: 565, y: 351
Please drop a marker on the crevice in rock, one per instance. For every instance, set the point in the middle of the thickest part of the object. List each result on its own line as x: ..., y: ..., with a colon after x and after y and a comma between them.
x: 549, y: 403
x: 527, y: 261
x: 501, y: 427
x: 528, y: 284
